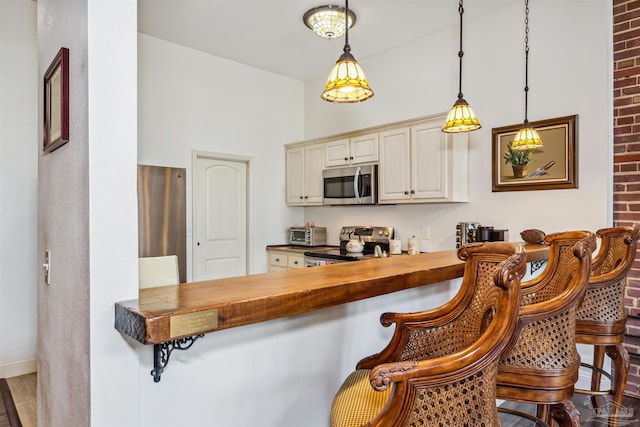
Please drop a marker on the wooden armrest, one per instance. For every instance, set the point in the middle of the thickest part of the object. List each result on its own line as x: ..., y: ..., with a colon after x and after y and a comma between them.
x: 411, y: 328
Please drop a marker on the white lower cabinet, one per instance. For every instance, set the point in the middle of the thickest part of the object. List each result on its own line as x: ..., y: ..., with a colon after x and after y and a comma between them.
x: 280, y: 260
x: 421, y: 164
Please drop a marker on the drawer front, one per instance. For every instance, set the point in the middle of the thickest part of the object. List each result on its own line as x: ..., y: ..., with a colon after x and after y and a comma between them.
x: 296, y: 261
x: 278, y: 259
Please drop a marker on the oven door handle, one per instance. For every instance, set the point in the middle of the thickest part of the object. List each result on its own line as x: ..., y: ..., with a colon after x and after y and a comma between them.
x: 356, y: 187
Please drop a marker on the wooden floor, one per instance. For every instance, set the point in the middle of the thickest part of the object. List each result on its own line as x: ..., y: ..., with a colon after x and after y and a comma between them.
x: 23, y: 392
x: 590, y: 417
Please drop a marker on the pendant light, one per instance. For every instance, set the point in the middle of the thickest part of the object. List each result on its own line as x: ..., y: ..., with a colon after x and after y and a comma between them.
x: 527, y: 138
x: 461, y: 117
x: 347, y: 82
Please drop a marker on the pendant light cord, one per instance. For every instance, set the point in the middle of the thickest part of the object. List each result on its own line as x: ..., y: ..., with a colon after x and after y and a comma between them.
x: 460, y: 52
x: 347, y: 48
x: 526, y: 61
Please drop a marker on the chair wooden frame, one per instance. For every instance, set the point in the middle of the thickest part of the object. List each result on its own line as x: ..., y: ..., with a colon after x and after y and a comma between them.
x: 547, y: 321
x: 601, y: 318
x: 427, y: 353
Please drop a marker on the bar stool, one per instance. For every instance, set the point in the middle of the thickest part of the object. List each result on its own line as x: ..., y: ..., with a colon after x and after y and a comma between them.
x: 439, y: 367
x: 158, y: 271
x: 542, y: 366
x: 602, y: 317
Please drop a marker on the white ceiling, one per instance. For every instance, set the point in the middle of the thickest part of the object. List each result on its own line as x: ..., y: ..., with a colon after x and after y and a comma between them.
x: 270, y: 34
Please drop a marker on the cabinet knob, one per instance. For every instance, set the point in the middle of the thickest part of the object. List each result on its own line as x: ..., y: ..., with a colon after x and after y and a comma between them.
x: 301, y: 197
x: 306, y: 197
x: 295, y: 262
x: 406, y: 193
x: 413, y: 191
x: 346, y: 158
x: 351, y: 158
x: 277, y: 259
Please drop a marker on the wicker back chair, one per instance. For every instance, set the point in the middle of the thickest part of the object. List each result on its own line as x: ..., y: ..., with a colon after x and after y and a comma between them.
x: 440, y: 365
x: 542, y: 366
x: 602, y: 317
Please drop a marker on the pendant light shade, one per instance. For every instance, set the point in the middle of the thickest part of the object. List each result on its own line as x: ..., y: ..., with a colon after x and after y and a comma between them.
x: 461, y: 117
x: 527, y: 138
x: 347, y: 82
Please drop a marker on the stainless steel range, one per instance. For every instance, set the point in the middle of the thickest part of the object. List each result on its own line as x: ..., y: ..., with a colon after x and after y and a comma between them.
x: 371, y: 236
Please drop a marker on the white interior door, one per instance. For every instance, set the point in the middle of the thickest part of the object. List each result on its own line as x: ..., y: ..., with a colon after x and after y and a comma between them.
x: 220, y: 218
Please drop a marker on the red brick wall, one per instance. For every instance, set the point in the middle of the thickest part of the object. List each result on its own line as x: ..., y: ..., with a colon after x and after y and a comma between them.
x: 626, y: 159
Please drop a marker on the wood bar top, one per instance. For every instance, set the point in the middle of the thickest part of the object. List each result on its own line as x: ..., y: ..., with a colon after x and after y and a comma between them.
x: 172, y: 312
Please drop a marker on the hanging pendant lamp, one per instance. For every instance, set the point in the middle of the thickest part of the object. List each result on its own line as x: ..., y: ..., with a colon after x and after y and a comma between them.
x: 461, y: 117
x: 347, y: 82
x: 527, y: 138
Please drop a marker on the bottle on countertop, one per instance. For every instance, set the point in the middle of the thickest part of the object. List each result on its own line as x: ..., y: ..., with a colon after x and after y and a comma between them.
x: 413, y: 246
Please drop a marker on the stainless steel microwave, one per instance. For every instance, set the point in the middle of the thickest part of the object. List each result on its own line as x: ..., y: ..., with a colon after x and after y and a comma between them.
x: 354, y: 185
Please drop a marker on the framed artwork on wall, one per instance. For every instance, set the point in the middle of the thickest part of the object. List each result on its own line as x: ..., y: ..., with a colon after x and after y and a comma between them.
x: 56, y: 102
x: 553, y: 166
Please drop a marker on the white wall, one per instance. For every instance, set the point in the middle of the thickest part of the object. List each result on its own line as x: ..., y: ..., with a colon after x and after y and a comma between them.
x: 196, y: 101
x: 19, y: 148
x: 112, y: 209
x: 569, y: 74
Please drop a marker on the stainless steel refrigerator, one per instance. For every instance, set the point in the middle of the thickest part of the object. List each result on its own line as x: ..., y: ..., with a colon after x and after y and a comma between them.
x: 162, y: 225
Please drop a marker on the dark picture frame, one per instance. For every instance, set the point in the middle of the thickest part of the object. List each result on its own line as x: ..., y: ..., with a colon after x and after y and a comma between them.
x: 554, y: 166
x: 56, y: 102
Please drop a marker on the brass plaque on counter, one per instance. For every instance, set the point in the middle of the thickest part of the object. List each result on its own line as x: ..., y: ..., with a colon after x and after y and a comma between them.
x: 193, y: 323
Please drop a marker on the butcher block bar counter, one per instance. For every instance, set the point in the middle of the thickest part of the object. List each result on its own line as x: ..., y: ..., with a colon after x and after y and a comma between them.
x: 170, y: 313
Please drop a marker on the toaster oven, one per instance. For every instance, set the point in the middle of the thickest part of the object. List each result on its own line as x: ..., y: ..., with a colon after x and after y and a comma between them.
x: 308, y: 236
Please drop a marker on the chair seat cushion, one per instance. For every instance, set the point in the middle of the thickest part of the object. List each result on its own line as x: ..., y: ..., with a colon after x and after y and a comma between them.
x: 356, y: 402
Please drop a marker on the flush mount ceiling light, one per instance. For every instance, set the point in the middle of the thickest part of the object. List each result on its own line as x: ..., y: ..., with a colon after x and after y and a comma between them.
x: 527, y: 138
x: 461, y: 117
x: 347, y: 82
x: 328, y: 21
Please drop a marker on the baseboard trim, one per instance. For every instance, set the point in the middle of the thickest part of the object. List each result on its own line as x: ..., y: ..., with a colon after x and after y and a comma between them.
x: 15, y: 369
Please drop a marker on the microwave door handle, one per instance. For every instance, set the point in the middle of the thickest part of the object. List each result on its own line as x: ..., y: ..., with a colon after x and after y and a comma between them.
x: 356, y: 187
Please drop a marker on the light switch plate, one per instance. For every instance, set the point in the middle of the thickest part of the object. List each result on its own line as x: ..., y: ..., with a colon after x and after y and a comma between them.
x: 46, y: 266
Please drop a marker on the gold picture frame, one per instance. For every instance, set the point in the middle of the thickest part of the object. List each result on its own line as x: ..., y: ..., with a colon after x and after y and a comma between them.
x: 554, y: 166
x: 56, y: 102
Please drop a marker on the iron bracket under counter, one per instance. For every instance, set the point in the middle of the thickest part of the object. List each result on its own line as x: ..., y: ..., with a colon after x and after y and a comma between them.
x: 173, y: 317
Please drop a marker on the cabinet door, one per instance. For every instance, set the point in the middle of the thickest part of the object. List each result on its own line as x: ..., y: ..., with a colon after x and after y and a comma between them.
x: 393, y: 179
x: 429, y: 162
x: 336, y: 153
x: 313, y: 165
x: 295, y: 176
x: 364, y: 149
x: 295, y: 261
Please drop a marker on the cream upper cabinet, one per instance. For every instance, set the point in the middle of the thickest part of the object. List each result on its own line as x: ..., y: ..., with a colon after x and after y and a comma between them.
x: 417, y: 162
x: 350, y: 151
x: 421, y: 164
x: 394, y: 178
x: 304, y: 166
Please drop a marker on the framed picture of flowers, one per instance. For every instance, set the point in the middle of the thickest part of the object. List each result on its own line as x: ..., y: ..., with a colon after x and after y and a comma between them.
x: 552, y: 166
